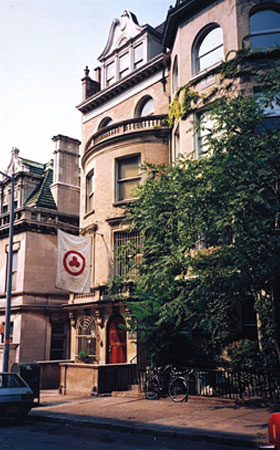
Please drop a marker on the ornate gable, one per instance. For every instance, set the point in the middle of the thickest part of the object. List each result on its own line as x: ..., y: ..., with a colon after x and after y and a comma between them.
x: 120, y: 32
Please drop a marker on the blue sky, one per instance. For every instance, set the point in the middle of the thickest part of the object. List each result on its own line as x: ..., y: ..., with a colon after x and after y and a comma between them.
x: 44, y: 48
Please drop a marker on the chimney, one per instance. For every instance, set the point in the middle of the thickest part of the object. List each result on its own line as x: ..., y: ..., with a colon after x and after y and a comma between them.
x: 89, y: 86
x: 66, y: 187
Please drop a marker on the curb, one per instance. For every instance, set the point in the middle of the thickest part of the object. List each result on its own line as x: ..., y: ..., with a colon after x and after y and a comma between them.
x: 140, y: 428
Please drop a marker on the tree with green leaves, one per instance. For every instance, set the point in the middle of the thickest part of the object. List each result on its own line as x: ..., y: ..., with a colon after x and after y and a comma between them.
x: 211, y: 238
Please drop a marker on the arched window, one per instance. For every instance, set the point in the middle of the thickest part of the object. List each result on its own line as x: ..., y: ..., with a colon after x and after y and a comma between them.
x: 105, y: 122
x: 175, y: 78
x: 264, y: 29
x: 146, y: 107
x: 208, y: 49
x: 86, y: 339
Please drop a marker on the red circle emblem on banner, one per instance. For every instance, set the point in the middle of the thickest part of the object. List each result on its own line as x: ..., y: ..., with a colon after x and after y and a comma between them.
x: 74, y: 262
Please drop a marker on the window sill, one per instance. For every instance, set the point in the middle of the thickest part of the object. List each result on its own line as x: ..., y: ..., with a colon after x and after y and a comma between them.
x: 124, y: 202
x: 206, y: 72
x: 89, y: 213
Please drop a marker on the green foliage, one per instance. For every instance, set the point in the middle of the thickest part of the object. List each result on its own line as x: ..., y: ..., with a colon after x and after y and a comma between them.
x: 83, y: 356
x: 174, y: 110
x: 189, y: 100
x: 243, y: 353
x: 210, y: 236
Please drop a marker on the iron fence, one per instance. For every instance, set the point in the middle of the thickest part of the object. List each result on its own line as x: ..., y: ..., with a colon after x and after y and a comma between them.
x: 232, y: 383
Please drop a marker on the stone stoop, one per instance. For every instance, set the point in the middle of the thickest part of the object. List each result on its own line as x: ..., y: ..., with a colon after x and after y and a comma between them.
x: 133, y: 391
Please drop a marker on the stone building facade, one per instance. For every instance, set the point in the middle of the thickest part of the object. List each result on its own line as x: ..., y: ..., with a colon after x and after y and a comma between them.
x: 123, y: 111
x: 142, y: 70
x: 202, y: 35
x: 46, y: 197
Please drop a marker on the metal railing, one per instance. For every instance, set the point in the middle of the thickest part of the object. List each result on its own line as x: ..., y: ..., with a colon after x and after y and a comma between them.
x: 232, y: 383
x: 116, y: 377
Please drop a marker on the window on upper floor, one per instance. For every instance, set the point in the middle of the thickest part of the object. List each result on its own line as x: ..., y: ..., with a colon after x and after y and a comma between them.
x: 175, y: 78
x: 127, y: 245
x: 208, y: 48
x: 14, y: 271
x: 89, y: 191
x: 124, y: 65
x: 127, y: 177
x: 110, y: 73
x: 205, y: 126
x: 145, y: 107
x: 105, y: 122
x: 271, y: 112
x: 264, y: 29
x: 124, y: 62
x: 138, y: 55
x: 176, y: 144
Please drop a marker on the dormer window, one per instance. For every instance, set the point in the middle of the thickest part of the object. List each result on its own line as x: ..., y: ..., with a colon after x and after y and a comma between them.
x: 129, y: 47
x: 110, y: 73
x: 123, y: 65
x: 138, y: 56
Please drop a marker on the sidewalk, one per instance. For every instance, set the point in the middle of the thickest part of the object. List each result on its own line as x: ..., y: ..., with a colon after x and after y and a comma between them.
x: 216, y: 420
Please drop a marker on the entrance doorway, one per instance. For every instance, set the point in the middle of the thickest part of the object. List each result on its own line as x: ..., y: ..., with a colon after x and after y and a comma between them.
x: 116, y: 340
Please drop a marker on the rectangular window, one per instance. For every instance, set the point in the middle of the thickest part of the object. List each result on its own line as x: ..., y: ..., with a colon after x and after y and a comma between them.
x: 126, y: 246
x: 128, y: 177
x: 89, y: 191
x: 205, y: 127
x: 176, y: 143
x: 124, y: 65
x: 58, y: 341
x: 14, y: 271
x: 110, y: 73
x: 271, y: 112
x: 138, y: 56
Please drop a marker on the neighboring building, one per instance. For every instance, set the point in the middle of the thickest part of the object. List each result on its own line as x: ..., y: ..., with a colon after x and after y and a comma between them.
x: 200, y: 36
x: 46, y: 198
x: 123, y: 112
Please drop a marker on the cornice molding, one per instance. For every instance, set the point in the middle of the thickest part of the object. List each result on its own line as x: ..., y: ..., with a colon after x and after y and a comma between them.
x: 156, y: 64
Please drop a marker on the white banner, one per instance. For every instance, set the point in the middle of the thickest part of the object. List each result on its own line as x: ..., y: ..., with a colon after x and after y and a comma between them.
x: 73, y: 263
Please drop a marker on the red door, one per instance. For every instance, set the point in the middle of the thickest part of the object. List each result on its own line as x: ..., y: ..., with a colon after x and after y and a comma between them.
x: 117, y: 341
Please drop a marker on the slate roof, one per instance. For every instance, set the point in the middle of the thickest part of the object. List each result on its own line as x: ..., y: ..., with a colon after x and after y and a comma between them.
x: 160, y: 28
x: 33, y: 166
x: 41, y: 195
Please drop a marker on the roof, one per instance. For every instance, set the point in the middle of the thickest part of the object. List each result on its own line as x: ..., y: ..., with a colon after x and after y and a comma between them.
x: 160, y: 28
x: 41, y: 195
x: 33, y: 166
x: 182, y: 10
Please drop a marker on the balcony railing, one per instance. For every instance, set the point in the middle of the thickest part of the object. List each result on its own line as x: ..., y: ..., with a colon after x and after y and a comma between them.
x: 32, y: 215
x: 126, y: 127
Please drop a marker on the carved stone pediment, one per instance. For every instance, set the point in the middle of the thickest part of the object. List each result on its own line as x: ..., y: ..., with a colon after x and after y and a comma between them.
x: 120, y: 32
x: 16, y: 163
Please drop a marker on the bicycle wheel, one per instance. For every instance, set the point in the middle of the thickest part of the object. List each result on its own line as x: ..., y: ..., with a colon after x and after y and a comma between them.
x: 152, y: 387
x: 178, y: 389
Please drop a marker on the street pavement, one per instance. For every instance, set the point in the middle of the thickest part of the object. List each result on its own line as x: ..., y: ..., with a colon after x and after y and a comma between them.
x: 215, y: 420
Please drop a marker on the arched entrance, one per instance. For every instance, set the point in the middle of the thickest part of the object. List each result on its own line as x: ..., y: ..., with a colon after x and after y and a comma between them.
x: 116, y: 340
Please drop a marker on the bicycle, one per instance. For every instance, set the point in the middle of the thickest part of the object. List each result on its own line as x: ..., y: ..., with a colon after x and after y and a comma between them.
x: 167, y: 380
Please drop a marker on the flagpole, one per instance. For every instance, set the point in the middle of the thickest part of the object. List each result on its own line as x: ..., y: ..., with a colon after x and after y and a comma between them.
x: 9, y: 279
